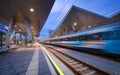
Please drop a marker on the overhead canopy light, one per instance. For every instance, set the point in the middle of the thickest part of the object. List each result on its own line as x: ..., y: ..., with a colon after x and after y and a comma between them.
x: 19, y: 30
x: 15, y: 25
x: 31, y: 10
x: 75, y: 23
x: 31, y: 27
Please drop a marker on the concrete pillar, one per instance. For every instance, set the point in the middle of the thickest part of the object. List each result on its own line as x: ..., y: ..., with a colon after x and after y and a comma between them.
x: 28, y: 28
x: 10, y: 26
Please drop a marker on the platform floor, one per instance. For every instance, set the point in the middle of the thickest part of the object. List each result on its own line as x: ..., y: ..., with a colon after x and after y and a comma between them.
x: 3, y: 48
x: 23, y: 61
x: 31, y: 61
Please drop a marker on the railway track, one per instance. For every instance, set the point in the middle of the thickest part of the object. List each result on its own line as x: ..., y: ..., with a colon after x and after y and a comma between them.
x: 77, y: 66
x: 111, y: 58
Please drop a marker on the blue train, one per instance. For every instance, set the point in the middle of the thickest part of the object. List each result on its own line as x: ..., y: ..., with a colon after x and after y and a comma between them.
x: 105, y: 39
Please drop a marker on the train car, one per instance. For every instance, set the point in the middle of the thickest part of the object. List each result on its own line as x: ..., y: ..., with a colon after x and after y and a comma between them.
x: 105, y: 39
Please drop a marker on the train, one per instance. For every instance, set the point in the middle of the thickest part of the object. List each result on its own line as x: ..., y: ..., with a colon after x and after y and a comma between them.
x: 100, y: 39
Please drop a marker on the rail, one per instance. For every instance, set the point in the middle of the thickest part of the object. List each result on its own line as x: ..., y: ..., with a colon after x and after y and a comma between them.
x: 77, y: 66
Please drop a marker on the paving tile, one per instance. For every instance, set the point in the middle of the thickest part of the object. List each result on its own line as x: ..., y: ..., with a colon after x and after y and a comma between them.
x: 8, y: 72
x: 19, y: 70
x: 21, y: 73
x: 45, y: 73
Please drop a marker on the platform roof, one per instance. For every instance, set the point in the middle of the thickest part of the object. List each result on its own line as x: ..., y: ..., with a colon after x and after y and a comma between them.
x: 20, y: 9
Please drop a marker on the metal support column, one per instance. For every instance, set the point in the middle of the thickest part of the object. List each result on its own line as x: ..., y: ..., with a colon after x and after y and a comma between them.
x: 29, y: 31
x: 10, y: 26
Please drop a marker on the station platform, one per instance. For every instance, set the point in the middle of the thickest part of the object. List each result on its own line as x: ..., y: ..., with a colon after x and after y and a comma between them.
x: 35, y: 60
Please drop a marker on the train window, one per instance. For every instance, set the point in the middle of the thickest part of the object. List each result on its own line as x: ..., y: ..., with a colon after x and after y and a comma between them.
x: 75, y: 38
x: 71, y: 38
x: 80, y: 37
x: 111, y: 35
x: 96, y: 36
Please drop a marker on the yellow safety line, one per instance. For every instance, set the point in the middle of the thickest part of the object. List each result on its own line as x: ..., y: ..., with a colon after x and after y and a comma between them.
x: 53, y: 62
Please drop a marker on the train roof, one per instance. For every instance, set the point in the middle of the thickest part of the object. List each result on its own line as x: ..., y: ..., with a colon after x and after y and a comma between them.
x: 103, y: 28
